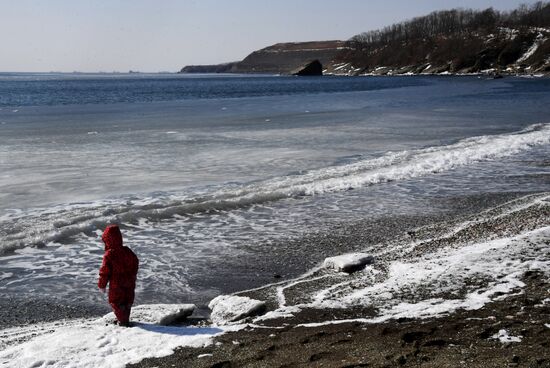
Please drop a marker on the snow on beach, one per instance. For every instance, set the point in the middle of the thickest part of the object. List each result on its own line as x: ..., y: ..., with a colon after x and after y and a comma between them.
x: 456, y: 276
x: 504, y: 337
x: 159, y: 314
x: 97, y: 342
x: 440, y: 283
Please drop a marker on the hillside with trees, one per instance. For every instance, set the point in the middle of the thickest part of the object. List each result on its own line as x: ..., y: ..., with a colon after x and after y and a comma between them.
x: 457, y: 41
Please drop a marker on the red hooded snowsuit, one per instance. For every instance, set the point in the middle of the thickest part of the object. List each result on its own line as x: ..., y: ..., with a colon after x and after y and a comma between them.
x: 119, y: 269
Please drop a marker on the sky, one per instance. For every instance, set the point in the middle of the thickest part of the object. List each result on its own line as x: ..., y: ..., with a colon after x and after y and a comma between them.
x: 165, y: 35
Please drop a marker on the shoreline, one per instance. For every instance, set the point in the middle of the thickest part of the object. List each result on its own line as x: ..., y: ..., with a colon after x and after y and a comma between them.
x: 293, y: 258
x: 462, y: 337
x: 354, y: 336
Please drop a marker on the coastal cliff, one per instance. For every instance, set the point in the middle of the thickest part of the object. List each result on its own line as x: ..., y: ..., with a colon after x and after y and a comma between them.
x: 281, y: 58
x: 454, y: 41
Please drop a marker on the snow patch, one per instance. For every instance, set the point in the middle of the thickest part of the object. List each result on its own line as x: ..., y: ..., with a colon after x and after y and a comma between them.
x: 159, y: 314
x: 340, y: 67
x: 348, y: 262
x: 504, y: 337
x: 92, y: 343
x: 231, y: 308
x: 446, y: 271
x: 434, y: 284
x: 534, y: 47
x: 287, y: 312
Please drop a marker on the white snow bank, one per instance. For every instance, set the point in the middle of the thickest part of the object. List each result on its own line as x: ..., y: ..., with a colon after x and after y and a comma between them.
x: 348, y: 262
x: 159, y: 314
x: 505, y: 338
x: 231, y: 308
x: 93, y: 343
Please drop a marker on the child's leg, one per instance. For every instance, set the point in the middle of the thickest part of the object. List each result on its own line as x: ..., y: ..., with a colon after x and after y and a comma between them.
x: 127, y: 312
x: 122, y: 312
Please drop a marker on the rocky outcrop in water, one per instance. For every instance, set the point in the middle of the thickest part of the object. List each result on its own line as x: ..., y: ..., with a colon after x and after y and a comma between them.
x: 314, y: 68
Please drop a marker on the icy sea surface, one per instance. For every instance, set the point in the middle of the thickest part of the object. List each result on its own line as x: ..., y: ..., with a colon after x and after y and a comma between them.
x: 200, y: 168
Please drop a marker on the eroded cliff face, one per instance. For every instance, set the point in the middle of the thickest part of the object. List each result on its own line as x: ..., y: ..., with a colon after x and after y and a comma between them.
x: 281, y: 58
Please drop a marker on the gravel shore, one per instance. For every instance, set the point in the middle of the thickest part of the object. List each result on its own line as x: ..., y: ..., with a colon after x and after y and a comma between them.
x: 463, y: 339
x: 468, y: 338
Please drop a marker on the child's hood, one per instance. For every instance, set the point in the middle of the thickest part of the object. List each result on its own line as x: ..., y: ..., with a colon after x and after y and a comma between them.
x: 112, y: 237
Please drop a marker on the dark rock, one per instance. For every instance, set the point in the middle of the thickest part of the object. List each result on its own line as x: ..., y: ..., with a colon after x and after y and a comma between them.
x: 413, y: 336
x: 487, y: 332
x: 402, y: 360
x: 318, y: 356
x: 223, y: 364
x: 438, y: 342
x: 313, y: 68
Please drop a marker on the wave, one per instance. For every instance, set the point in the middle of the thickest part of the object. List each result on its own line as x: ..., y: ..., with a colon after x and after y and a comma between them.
x: 39, y: 227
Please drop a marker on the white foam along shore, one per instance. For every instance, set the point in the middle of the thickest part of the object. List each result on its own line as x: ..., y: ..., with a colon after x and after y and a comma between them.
x: 55, y: 224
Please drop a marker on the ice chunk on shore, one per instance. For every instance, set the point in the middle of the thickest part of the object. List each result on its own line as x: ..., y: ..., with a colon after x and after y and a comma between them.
x: 231, y: 308
x: 158, y: 314
x: 348, y: 262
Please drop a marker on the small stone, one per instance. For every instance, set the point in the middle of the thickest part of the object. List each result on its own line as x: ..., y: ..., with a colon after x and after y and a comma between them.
x: 402, y: 360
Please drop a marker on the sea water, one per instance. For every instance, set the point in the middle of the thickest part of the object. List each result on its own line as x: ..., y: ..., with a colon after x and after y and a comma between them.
x: 200, y: 169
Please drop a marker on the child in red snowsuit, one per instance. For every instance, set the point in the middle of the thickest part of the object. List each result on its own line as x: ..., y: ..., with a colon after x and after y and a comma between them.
x: 119, y: 269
